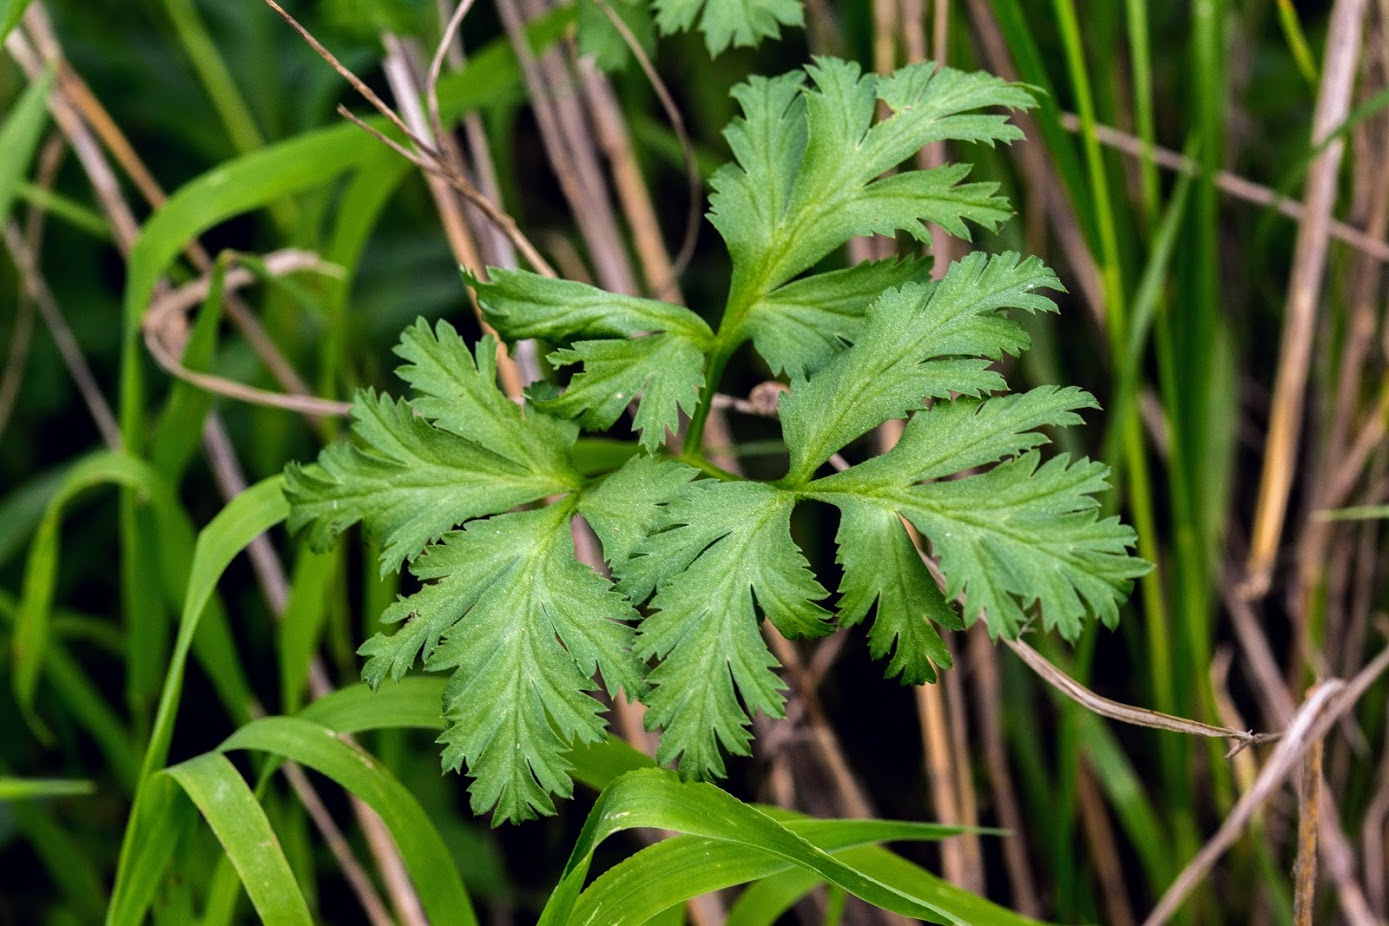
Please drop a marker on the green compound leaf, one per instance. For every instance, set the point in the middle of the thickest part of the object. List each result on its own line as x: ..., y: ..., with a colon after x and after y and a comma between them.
x: 726, y: 552
x: 739, y: 23
x: 802, y: 324
x: 881, y: 563
x: 457, y: 390
x: 521, y: 304
x: 411, y: 481
x: 523, y: 626
x: 624, y: 508
x: 648, y: 348
x: 882, y: 567
x: 918, y: 341
x: 666, y: 371
x: 809, y: 165
x: 1010, y: 537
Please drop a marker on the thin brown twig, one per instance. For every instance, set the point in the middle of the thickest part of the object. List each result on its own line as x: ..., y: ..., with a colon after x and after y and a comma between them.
x: 352, y: 870
x: 400, y: 74
x: 1231, y: 184
x: 569, y: 149
x: 115, y: 142
x: 37, y: 289
x: 21, y: 332
x: 503, y: 221
x: 989, y: 711
x: 1104, y: 850
x: 436, y: 65
x: 1127, y: 713
x: 174, y: 304
x: 125, y: 229
x: 1278, y: 707
x: 89, y: 128
x: 1373, y: 830
x: 428, y: 157
x: 274, y: 586
x: 1308, y: 725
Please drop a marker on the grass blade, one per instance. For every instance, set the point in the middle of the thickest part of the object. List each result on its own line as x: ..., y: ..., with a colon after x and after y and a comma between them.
x: 20, y: 133
x: 679, y: 869
x: 28, y: 789
x: 226, y: 802
x: 657, y: 798
x: 423, y: 851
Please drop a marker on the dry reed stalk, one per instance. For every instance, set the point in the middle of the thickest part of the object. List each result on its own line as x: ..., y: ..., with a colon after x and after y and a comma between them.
x: 1231, y: 184
x: 1369, y: 195
x: 1310, y: 724
x: 1304, y: 286
x: 269, y: 573
x: 988, y: 704
x: 274, y: 584
x: 1305, y: 867
x: 569, y: 148
x: 94, y: 116
x: 1104, y: 850
x: 1278, y: 707
x: 165, y: 328
x: 1374, y: 832
x: 400, y: 68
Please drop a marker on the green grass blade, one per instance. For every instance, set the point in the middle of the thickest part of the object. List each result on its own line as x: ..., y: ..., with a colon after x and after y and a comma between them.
x: 215, y: 76
x: 84, y: 703
x: 1297, y: 41
x: 245, y: 517
x: 62, y: 207
x: 65, y: 855
x: 413, y: 702
x: 679, y: 869
x: 763, y: 903
x: 1021, y: 39
x: 423, y: 851
x: 22, y: 510
x: 32, y: 626
x: 27, y: 789
x: 305, y: 613
x: 10, y: 13
x: 657, y: 798
x: 20, y: 133
x: 159, y: 819
x: 229, y: 807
